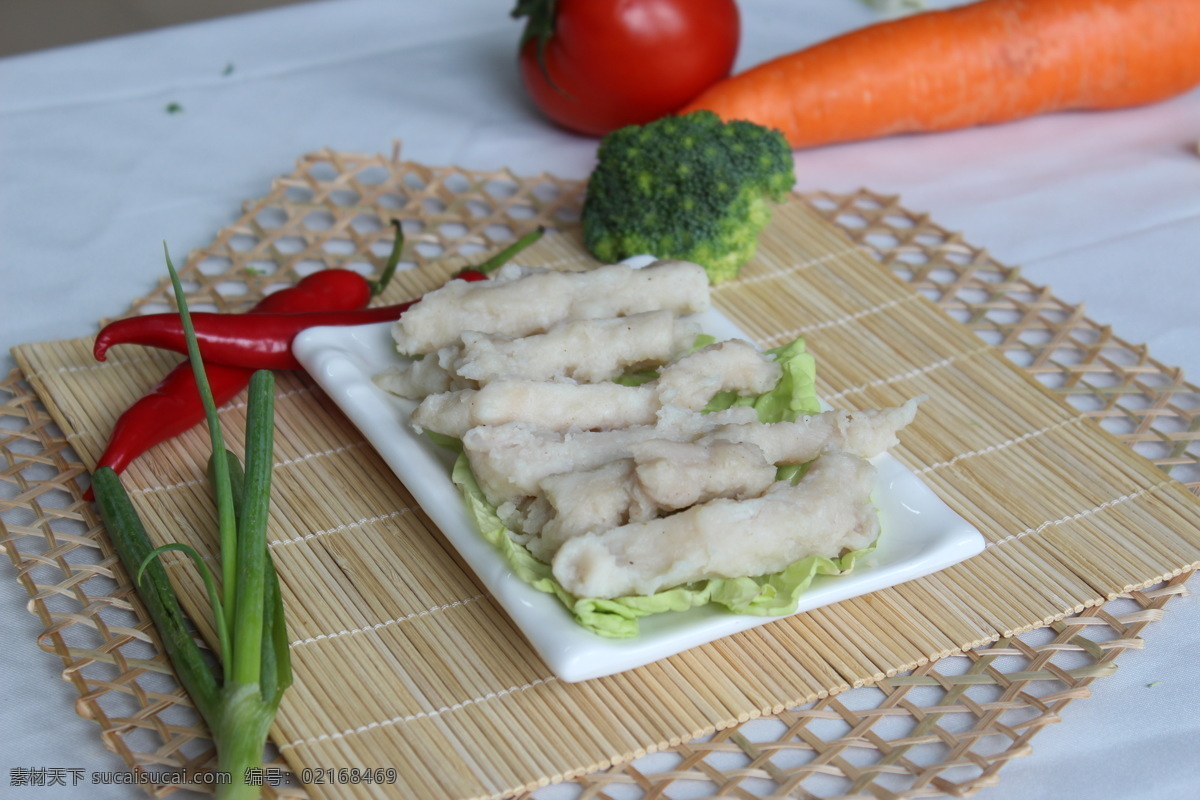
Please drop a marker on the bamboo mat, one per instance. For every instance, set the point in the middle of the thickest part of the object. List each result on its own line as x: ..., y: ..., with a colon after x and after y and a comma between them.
x: 401, y: 659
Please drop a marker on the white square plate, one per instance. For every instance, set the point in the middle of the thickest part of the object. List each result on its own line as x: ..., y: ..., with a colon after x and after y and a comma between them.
x: 920, y: 535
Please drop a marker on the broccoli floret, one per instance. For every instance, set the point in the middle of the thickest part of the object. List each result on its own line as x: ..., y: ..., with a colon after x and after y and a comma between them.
x: 689, y: 187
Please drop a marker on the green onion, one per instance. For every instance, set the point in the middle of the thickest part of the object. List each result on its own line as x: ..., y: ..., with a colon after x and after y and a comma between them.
x: 240, y: 703
x: 133, y: 547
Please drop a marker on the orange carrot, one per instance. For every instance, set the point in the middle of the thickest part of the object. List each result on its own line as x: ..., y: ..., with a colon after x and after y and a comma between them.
x: 991, y: 61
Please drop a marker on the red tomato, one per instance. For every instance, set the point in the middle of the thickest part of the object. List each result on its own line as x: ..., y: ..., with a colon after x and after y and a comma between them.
x: 622, y: 62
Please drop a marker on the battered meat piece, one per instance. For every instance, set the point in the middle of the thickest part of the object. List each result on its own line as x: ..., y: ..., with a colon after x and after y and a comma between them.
x: 587, y: 351
x: 827, y: 512
x: 630, y: 478
x: 558, y: 405
x: 689, y: 383
x: 661, y: 476
x: 511, y: 460
x: 676, y: 475
x: 862, y: 433
x: 733, y: 364
x: 422, y: 377
x: 587, y: 501
x: 519, y: 302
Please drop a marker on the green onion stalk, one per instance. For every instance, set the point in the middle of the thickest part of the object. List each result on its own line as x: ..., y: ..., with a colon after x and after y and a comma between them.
x: 239, y: 696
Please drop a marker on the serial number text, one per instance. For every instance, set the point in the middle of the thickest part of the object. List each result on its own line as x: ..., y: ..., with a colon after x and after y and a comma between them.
x: 347, y: 775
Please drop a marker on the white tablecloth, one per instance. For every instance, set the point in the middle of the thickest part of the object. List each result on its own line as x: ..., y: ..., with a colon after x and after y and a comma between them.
x: 95, y: 174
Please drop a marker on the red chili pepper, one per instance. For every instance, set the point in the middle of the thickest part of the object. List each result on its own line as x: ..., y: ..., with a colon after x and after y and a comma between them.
x: 327, y: 289
x: 258, y: 341
x: 262, y: 341
x: 173, y: 405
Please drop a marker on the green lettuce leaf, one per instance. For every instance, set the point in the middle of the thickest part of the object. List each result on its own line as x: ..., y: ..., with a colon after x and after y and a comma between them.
x: 776, y: 594
x: 794, y: 396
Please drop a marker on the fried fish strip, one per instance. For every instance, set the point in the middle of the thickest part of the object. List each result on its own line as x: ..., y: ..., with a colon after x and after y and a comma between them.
x: 511, y: 460
x: 827, y: 512
x: 689, y: 383
x: 519, y: 302
x: 862, y: 433
x: 733, y: 364
x: 587, y: 351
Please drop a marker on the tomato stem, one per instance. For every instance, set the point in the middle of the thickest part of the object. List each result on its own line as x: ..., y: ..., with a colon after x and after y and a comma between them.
x: 539, y: 27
